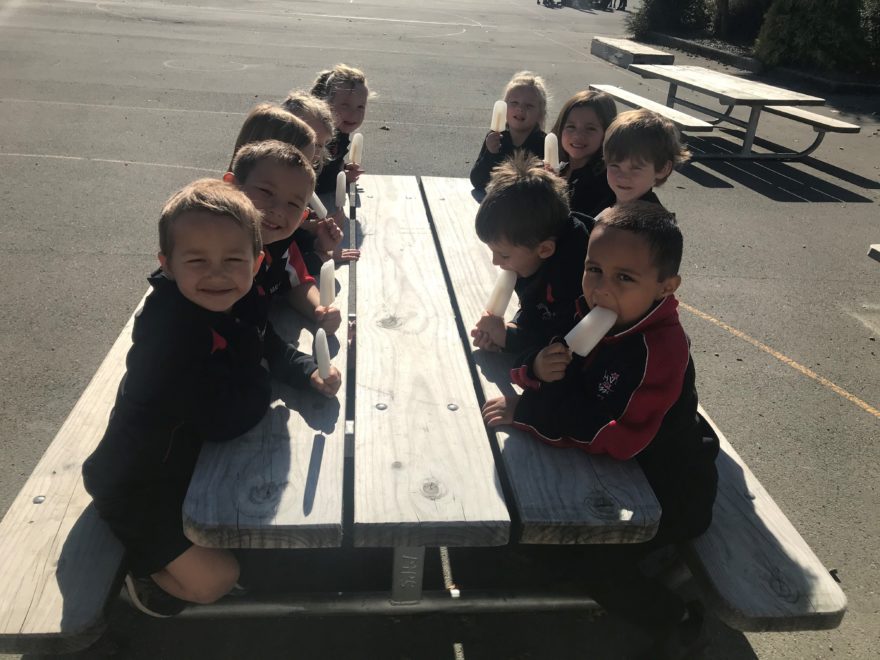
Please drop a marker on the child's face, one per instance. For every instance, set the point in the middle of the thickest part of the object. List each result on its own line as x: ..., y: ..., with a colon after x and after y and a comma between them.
x: 522, y: 260
x: 280, y: 193
x: 212, y: 260
x: 349, y: 107
x: 582, y: 134
x: 631, y: 178
x: 523, y: 108
x: 620, y: 275
x: 322, y: 136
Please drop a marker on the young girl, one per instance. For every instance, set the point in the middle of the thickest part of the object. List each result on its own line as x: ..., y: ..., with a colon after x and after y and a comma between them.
x: 581, y: 127
x: 526, y: 98
x: 345, y: 89
x: 316, y: 113
x: 268, y: 121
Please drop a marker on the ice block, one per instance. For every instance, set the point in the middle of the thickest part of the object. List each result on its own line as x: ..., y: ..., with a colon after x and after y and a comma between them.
x: 500, y: 297
x: 328, y: 283
x: 356, y: 153
x: 583, y: 337
x: 499, y: 116
x: 551, y: 151
x: 340, y: 190
x: 322, y: 353
x: 317, y: 206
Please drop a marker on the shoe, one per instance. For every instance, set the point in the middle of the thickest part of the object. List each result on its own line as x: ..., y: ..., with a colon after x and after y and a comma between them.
x: 149, y: 598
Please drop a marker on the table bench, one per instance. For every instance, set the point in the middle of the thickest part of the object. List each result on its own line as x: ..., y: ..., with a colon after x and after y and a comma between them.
x: 624, y: 52
x: 681, y: 119
x: 425, y: 472
x: 874, y: 251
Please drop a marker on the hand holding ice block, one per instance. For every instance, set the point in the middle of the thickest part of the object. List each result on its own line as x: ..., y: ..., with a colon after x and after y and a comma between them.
x: 501, y: 294
x: 499, y: 116
x: 328, y: 283
x: 322, y: 353
x: 551, y: 151
x: 317, y: 206
x: 583, y: 337
x: 356, y: 153
x: 340, y: 190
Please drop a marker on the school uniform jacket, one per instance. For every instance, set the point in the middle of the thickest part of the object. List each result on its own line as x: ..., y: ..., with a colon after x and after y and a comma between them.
x: 588, y: 188
x: 487, y: 161
x: 283, y: 267
x: 336, y: 150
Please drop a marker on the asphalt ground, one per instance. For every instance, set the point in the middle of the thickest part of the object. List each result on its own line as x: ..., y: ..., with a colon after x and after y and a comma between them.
x: 108, y: 107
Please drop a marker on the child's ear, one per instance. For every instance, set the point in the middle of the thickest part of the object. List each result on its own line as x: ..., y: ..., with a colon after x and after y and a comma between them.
x: 258, y: 261
x: 229, y: 177
x: 547, y: 249
x: 664, y: 173
x: 668, y: 286
x: 163, y: 264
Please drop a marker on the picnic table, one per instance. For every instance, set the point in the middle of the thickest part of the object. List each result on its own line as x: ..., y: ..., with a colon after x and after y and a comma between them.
x: 874, y: 251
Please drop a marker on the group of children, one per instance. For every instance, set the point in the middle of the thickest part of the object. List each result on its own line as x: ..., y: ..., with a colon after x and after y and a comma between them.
x: 592, y: 234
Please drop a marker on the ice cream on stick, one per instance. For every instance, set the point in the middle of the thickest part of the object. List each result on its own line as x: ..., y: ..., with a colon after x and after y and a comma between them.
x: 356, y: 153
x: 340, y: 190
x: 317, y: 206
x: 322, y: 353
x: 328, y: 283
x: 551, y: 151
x: 499, y: 116
x: 501, y: 294
x: 583, y: 337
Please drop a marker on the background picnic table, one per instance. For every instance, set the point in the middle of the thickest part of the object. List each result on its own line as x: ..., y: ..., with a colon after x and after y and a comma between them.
x: 106, y: 109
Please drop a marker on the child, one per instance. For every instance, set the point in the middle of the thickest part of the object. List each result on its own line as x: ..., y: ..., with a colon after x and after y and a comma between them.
x: 279, y: 181
x: 267, y: 121
x: 345, y: 89
x: 193, y: 375
x: 641, y: 148
x: 526, y: 98
x: 581, y: 127
x: 632, y: 397
x: 525, y: 221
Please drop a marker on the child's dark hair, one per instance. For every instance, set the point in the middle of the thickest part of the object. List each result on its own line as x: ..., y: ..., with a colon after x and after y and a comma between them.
x: 250, y: 155
x: 645, y: 136
x: 656, y: 225
x: 339, y: 77
x: 524, y: 204
x: 217, y: 198
x: 268, y: 121
x: 600, y: 102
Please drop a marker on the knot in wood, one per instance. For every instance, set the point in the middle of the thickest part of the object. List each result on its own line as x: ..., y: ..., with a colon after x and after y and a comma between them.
x: 602, y: 506
x: 265, y: 493
x: 781, y: 588
x: 396, y: 465
x: 389, y: 322
x: 433, y: 489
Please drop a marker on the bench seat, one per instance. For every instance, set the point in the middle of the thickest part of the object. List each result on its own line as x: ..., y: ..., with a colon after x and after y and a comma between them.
x: 820, y: 123
x: 624, y: 52
x: 683, y: 120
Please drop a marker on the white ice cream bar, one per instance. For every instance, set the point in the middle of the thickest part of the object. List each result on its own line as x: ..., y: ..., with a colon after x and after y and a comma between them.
x: 328, y: 283
x: 499, y: 116
x: 322, y: 353
x: 356, y: 153
x: 583, y: 337
x: 501, y: 294
x: 551, y: 151
x: 340, y: 190
x: 317, y: 206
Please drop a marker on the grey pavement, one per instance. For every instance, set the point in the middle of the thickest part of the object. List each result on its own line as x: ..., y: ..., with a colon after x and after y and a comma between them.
x: 108, y: 107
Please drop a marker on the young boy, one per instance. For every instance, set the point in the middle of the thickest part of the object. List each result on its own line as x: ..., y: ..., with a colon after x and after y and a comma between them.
x: 279, y: 180
x: 632, y: 397
x: 641, y: 148
x: 525, y: 221
x: 193, y: 374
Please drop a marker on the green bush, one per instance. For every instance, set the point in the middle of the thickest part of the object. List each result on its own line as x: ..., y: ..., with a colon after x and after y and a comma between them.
x: 670, y: 16
x: 745, y: 19
x: 871, y: 30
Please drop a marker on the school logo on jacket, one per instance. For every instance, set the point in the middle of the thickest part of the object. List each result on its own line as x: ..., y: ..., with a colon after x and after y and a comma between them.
x: 609, y: 379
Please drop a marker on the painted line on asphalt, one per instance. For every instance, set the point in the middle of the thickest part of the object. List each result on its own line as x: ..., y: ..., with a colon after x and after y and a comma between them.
x: 111, y: 161
x: 121, y: 107
x: 797, y: 366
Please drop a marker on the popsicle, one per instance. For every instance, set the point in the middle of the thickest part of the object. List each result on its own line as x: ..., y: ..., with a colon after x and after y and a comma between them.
x: 340, y: 190
x: 499, y: 116
x: 317, y: 206
x: 322, y: 353
x: 551, y: 151
x: 328, y: 283
x: 500, y: 297
x: 583, y: 337
x: 356, y: 153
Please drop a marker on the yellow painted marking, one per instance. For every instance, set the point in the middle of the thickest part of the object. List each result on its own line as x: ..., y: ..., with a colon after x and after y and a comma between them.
x: 784, y: 359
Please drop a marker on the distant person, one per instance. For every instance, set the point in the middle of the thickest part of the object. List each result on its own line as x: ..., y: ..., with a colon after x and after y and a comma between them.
x: 526, y: 222
x: 193, y: 375
x: 641, y: 149
x: 526, y: 98
x: 621, y: 5
x: 581, y: 127
x: 632, y: 398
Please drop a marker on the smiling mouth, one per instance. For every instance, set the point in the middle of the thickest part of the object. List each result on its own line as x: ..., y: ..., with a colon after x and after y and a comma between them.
x: 270, y: 226
x: 215, y: 292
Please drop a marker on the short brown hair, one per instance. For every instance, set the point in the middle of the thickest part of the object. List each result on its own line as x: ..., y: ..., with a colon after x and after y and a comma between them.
x: 599, y: 102
x: 276, y: 151
x: 212, y: 196
x: 653, y: 223
x: 268, y: 121
x: 646, y: 136
x: 524, y: 203
x: 300, y: 103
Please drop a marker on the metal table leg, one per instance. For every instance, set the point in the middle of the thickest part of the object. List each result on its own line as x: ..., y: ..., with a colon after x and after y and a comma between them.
x: 752, y: 128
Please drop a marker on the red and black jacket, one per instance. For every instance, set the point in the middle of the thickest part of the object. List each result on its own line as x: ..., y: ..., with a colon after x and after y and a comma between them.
x: 283, y: 268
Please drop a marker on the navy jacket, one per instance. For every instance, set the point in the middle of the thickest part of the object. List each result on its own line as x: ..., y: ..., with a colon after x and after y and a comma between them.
x: 487, y: 161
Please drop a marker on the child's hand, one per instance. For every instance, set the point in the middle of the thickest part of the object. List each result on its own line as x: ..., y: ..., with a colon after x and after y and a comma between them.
x: 327, y: 236
x: 327, y: 386
x: 311, y: 223
x: 328, y: 318
x: 500, y: 411
x: 353, y: 172
x: 346, y: 254
x: 550, y: 363
x: 339, y: 217
x: 494, y: 327
x: 493, y: 142
x: 482, y: 341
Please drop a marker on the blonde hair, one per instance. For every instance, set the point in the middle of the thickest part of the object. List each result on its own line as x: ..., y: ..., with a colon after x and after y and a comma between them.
x: 646, y: 136
x: 301, y: 103
x: 339, y: 77
x: 217, y: 198
x: 268, y: 121
x: 534, y: 81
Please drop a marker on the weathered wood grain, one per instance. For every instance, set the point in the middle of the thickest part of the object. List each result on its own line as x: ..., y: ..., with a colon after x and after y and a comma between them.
x: 424, y: 472
x: 562, y: 495
x: 754, y: 565
x: 624, y: 52
x: 817, y: 121
x: 681, y: 119
x: 280, y: 484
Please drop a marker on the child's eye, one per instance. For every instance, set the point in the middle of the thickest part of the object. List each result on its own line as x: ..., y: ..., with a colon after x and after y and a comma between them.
x: 623, y: 277
x: 593, y: 269
x: 195, y: 260
x: 234, y: 260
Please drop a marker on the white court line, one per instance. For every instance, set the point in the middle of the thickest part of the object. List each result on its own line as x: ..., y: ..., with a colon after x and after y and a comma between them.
x: 112, y: 161
x: 122, y: 107
x: 9, y: 9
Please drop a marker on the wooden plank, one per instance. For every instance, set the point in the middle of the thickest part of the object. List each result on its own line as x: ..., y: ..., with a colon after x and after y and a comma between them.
x: 424, y: 472
x: 681, y: 119
x: 728, y: 89
x: 874, y: 251
x: 61, y: 563
x: 624, y: 52
x: 562, y: 496
x: 756, y: 568
x: 279, y: 485
x: 819, y: 122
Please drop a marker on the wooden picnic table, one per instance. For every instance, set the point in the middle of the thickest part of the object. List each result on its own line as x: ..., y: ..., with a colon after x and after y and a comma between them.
x: 874, y: 251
